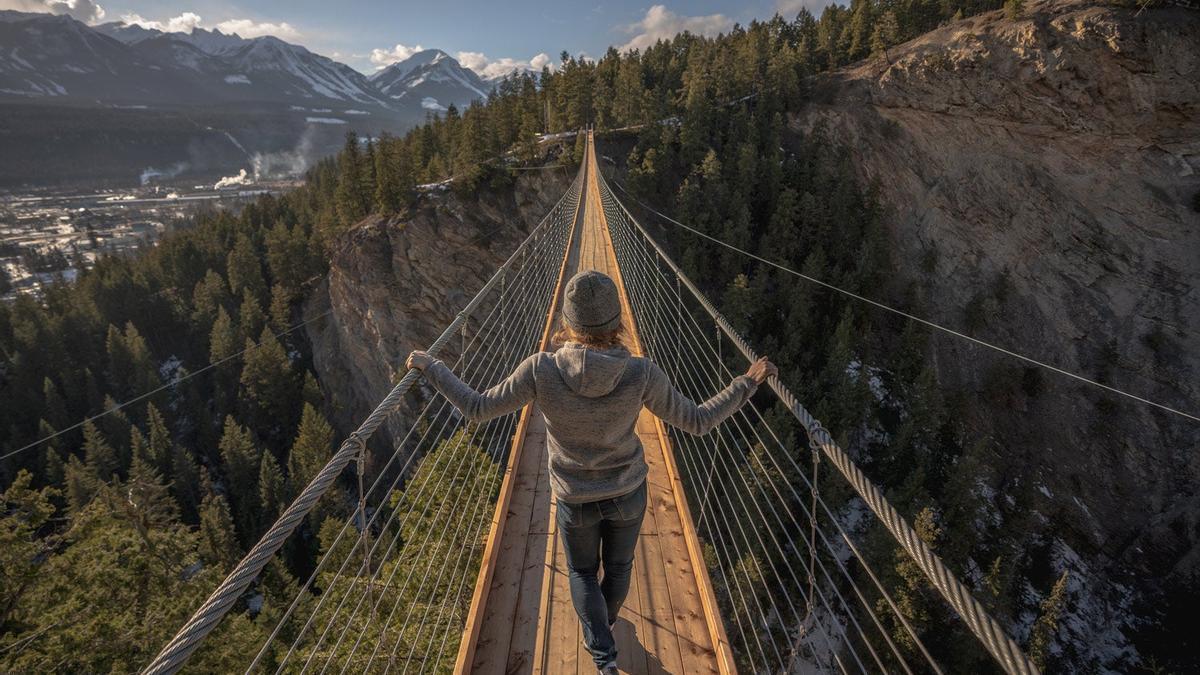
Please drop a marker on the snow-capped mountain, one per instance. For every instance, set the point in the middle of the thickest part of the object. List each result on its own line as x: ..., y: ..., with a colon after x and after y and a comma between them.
x: 57, y: 57
x: 263, y: 68
x: 431, y: 79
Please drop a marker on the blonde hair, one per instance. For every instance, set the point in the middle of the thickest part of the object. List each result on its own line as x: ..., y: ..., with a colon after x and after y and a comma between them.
x: 607, y: 340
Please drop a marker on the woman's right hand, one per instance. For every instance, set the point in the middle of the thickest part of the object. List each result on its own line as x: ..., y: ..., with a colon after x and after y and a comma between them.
x: 761, y: 369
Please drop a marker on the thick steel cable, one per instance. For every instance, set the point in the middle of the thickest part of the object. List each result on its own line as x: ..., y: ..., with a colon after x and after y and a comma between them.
x: 412, y: 457
x: 1006, y: 652
x: 714, y: 381
x: 701, y: 390
x: 829, y: 512
x: 492, y: 365
x: 177, y: 651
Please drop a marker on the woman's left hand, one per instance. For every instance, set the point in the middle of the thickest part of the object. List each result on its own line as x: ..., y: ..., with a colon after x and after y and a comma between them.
x: 419, y: 360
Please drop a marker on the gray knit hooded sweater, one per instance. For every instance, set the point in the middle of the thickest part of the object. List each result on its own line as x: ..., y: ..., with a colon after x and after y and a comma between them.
x: 591, y: 400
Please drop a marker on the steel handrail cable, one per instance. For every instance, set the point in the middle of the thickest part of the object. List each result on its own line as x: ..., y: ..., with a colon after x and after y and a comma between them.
x: 492, y: 365
x: 177, y: 651
x: 381, y: 474
x: 727, y: 463
x: 689, y: 460
x: 743, y: 416
x: 828, y: 511
x: 833, y: 519
x: 526, y: 349
x: 648, y: 330
x: 701, y: 388
x: 1006, y: 652
x: 529, y: 321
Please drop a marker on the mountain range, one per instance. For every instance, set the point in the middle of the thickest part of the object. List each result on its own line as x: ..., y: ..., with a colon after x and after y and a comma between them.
x: 121, y: 72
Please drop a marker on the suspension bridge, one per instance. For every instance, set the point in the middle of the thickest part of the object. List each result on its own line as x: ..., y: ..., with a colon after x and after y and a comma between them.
x: 743, y: 564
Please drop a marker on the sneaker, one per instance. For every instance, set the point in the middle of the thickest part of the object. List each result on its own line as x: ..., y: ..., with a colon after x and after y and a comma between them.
x: 609, y: 670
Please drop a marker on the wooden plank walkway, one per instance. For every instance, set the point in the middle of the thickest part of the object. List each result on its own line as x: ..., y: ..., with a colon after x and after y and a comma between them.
x: 522, y: 619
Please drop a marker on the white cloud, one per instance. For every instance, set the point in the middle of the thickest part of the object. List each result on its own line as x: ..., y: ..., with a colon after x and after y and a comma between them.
x: 189, y: 21
x: 382, y: 58
x: 661, y: 23
x: 493, y: 68
x: 83, y: 10
x: 252, y: 29
x: 788, y: 9
x: 184, y: 23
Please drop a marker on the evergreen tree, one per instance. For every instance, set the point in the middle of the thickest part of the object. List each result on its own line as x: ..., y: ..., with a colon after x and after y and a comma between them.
x: 53, y: 406
x: 268, y: 394
x: 80, y: 484
x: 310, y: 451
x: 186, y: 483
x: 223, y: 345
x: 886, y: 34
x: 351, y: 197
x: 102, y: 460
x: 159, y: 441
x: 270, y: 489
x: 251, y: 318
x: 1046, y: 627
x: 23, y: 512
x: 245, y: 271
x: 241, y: 458
x: 210, y: 293
x: 281, y: 308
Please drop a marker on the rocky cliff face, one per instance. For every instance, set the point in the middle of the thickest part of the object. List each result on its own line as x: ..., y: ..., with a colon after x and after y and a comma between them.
x: 1043, y: 177
x: 395, y: 283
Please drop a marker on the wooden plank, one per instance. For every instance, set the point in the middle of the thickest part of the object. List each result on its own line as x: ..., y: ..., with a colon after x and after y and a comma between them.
x: 527, y: 604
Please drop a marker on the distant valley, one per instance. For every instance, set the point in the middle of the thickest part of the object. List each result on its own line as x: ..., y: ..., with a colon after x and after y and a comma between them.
x: 118, y: 104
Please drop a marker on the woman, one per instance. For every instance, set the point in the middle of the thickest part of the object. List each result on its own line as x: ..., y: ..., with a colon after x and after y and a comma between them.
x: 591, y: 391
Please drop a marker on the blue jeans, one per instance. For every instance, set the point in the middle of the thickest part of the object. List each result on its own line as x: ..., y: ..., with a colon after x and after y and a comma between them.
x: 594, y: 534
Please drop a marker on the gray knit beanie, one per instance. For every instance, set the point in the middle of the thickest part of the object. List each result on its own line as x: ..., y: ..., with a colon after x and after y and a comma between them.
x: 591, y: 304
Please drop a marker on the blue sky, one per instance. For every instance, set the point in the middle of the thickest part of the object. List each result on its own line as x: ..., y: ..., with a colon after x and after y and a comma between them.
x: 495, y: 36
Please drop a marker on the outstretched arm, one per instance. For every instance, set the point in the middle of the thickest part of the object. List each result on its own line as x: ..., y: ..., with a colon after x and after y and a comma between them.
x: 512, y: 394
x: 673, y: 407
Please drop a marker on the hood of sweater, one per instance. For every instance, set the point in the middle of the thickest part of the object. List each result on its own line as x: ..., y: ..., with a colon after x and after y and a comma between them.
x: 591, y: 372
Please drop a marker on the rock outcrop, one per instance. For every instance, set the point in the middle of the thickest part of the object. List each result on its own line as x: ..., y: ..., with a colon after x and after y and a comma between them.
x: 1043, y: 179
x: 395, y: 283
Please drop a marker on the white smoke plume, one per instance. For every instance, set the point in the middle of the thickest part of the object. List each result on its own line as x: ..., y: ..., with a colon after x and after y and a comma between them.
x: 285, y: 163
x: 242, y: 178
x: 150, y: 173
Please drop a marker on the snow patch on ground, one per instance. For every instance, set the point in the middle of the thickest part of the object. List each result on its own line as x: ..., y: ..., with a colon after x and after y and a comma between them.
x: 237, y: 79
x: 168, y: 370
x: 324, y: 120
